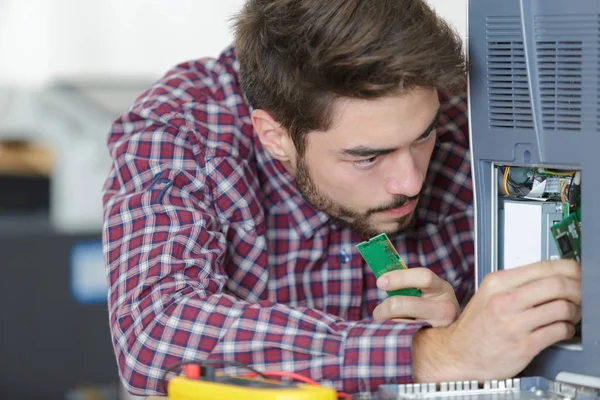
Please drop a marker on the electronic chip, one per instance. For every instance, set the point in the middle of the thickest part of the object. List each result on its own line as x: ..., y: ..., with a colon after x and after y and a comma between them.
x: 564, y: 244
x: 567, y: 235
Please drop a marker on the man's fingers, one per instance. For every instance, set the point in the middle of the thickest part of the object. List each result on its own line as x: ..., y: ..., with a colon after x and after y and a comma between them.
x: 549, y: 335
x: 421, y: 278
x: 416, y: 308
x: 550, y: 313
x: 547, y: 289
x: 508, y: 279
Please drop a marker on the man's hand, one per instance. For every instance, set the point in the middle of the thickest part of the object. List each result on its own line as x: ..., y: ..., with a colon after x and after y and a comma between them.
x: 514, y: 315
x: 437, y: 306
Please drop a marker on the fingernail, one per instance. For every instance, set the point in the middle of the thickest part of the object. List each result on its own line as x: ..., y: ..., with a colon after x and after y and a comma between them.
x: 382, y: 282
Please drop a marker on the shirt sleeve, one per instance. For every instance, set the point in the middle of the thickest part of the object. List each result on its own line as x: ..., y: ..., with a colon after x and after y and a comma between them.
x: 168, y: 299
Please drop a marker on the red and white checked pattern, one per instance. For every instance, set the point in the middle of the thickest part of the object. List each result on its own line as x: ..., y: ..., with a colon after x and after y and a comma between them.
x: 211, y: 252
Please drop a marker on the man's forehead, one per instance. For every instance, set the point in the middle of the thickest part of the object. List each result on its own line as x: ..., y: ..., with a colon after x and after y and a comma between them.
x: 394, y: 118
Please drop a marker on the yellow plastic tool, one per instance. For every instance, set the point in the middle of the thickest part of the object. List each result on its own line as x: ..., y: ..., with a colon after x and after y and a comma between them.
x: 228, y: 387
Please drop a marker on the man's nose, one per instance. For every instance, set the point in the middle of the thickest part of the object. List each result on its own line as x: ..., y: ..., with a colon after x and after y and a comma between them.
x: 404, y: 178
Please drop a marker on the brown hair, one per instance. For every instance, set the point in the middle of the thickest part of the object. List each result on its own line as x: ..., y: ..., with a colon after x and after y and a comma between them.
x: 297, y: 56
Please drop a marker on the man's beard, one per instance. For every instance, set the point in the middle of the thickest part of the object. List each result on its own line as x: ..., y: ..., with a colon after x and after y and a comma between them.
x: 357, y: 222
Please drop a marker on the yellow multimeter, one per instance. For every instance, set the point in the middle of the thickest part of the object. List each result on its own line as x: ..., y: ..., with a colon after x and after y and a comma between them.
x: 228, y: 387
x: 201, y: 382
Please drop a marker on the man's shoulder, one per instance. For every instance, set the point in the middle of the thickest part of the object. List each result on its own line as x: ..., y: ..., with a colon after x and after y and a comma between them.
x: 203, y: 79
x: 454, y: 125
x: 452, y: 155
x: 201, y: 98
x: 449, y: 187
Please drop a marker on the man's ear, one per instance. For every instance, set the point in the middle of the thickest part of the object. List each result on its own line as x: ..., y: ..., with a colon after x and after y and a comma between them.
x: 274, y: 138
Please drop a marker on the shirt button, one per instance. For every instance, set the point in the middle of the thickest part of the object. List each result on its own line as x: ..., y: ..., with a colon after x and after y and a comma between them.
x: 344, y: 256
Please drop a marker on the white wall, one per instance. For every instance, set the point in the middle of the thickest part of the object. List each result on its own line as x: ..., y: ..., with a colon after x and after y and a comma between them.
x: 43, y: 39
x: 455, y: 11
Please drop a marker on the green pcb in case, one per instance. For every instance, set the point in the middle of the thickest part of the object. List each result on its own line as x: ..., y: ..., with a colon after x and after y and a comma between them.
x: 382, y: 257
x: 567, y: 235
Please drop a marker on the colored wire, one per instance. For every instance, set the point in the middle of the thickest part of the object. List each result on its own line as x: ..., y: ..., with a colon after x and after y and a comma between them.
x: 573, y: 191
x: 566, y: 173
x: 570, y: 184
x: 298, y: 377
x: 176, y: 368
x: 285, y: 374
x: 561, y: 190
x: 506, y: 171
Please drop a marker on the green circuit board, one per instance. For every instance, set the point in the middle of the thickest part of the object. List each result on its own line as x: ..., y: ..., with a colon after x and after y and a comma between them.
x: 567, y: 235
x: 381, y: 256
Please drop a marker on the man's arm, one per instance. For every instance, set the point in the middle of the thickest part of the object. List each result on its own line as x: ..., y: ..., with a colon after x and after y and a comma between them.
x: 168, y: 296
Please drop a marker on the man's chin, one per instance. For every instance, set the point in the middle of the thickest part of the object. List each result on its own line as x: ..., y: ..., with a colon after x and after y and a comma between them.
x: 397, y: 226
x: 376, y: 224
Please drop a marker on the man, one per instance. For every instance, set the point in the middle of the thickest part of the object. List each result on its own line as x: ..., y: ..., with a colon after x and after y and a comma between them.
x: 242, y: 185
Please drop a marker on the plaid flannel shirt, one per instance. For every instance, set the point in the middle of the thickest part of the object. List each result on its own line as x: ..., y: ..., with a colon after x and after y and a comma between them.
x: 211, y: 251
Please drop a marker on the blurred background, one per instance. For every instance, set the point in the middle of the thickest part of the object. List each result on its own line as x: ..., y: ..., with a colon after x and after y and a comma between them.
x: 68, y: 68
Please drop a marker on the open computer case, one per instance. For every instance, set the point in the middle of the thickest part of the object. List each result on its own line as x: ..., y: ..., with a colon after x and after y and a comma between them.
x: 534, y: 105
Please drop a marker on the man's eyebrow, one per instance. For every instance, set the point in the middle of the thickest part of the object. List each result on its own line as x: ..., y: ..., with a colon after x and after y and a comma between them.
x: 434, y: 122
x: 364, y: 151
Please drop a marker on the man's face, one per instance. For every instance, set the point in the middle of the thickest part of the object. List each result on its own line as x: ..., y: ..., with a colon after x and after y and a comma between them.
x: 369, y: 168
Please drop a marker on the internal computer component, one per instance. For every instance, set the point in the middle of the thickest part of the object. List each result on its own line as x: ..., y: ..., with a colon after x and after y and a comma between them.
x: 549, y: 185
x: 567, y: 234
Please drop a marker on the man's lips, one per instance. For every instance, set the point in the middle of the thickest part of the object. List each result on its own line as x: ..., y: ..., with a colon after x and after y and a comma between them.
x: 403, y: 210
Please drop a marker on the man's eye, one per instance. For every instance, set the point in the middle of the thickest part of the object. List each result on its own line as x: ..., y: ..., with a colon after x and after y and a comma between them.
x: 425, y: 136
x: 367, y: 162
